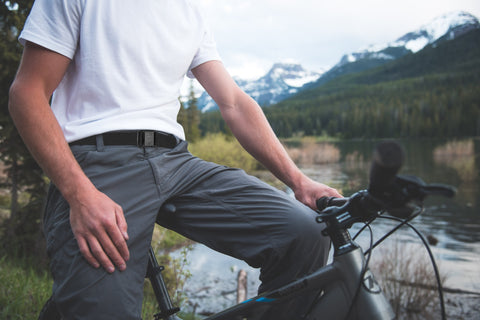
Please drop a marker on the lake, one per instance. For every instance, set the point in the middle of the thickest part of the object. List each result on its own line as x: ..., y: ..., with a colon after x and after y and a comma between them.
x: 455, y: 222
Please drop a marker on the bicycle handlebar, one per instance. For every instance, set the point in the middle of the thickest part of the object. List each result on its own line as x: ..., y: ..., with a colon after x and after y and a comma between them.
x: 387, y: 190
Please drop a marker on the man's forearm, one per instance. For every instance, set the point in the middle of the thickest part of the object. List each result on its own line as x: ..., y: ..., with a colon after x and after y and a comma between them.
x: 250, y: 126
x: 248, y: 123
x: 41, y: 133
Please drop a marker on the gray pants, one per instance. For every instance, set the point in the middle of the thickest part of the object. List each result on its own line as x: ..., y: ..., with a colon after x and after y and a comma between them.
x: 221, y: 207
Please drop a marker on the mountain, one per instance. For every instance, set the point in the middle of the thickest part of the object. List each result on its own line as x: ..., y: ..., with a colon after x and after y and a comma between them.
x: 434, y: 92
x: 285, y: 80
x: 281, y: 81
x: 443, y: 28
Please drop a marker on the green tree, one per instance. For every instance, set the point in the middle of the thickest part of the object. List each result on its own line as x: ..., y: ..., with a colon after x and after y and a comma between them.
x: 189, y: 117
x: 182, y: 115
x: 20, y: 233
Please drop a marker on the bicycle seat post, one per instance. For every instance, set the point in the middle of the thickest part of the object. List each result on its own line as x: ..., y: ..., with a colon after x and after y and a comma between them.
x: 154, y: 273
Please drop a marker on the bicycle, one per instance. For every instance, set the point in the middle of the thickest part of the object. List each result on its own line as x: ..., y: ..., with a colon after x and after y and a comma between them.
x: 345, y: 288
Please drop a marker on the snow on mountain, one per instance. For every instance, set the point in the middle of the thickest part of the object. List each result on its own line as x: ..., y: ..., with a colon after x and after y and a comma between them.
x: 283, y: 80
x: 450, y: 25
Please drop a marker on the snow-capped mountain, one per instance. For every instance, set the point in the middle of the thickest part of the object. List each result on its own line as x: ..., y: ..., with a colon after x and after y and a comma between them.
x: 445, y: 27
x: 450, y: 26
x: 282, y: 81
x: 285, y: 79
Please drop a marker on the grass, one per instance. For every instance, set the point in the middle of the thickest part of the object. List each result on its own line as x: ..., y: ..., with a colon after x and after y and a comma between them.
x: 23, y: 290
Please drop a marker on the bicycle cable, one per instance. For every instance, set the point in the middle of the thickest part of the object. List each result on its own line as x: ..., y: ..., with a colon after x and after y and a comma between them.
x: 362, y: 275
x: 432, y: 260
x: 425, y: 243
x: 363, y: 272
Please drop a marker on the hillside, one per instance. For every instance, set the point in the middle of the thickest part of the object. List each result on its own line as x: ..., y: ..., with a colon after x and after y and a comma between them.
x: 434, y: 92
x: 442, y: 28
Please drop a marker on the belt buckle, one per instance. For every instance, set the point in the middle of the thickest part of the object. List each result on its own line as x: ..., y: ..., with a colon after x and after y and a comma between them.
x: 146, y: 138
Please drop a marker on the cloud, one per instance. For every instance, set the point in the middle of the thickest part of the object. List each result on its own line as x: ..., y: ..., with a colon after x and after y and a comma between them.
x: 254, y: 34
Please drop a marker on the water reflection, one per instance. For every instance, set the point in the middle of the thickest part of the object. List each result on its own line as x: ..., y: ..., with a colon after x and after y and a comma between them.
x: 454, y: 222
x: 454, y: 163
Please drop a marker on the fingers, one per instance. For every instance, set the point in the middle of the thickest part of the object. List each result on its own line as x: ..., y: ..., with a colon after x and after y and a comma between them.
x: 85, y: 250
x: 101, y: 233
x: 121, y: 222
x: 109, y: 245
x: 114, y: 241
x: 334, y: 193
x: 103, y: 250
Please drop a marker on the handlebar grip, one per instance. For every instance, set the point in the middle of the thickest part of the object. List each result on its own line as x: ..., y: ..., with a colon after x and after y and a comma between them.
x: 387, y: 160
x: 325, y: 202
x: 322, y: 202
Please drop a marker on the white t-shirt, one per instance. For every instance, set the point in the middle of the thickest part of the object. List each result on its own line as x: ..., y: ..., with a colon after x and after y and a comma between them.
x: 129, y: 59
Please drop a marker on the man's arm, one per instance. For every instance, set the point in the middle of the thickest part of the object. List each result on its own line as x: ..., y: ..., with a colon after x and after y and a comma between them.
x: 250, y: 126
x: 97, y: 222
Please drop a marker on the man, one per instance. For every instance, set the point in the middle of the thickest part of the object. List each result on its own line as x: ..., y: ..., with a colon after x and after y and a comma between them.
x: 114, y: 152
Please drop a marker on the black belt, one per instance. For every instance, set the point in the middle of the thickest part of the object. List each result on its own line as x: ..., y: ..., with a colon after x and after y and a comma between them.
x: 144, y: 138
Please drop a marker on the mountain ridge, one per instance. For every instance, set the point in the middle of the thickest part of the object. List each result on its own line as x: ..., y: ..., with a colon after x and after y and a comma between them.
x: 431, y: 93
x: 285, y: 80
x: 282, y: 81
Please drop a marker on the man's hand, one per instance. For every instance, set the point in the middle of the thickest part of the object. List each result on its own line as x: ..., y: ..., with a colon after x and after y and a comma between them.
x: 309, y: 191
x: 100, y: 228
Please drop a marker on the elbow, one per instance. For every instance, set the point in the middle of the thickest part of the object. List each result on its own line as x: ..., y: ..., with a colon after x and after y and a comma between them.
x: 19, y: 96
x: 13, y: 96
x: 240, y: 102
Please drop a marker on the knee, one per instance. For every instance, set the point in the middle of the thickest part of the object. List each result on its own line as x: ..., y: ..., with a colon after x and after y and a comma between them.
x: 308, y: 233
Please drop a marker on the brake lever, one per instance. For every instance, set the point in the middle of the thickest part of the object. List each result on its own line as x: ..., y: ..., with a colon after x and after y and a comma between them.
x: 440, y: 190
x: 415, y: 188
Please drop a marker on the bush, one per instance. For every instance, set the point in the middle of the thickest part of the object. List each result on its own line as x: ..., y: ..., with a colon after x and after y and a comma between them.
x: 223, y: 150
x: 309, y: 152
x: 408, y: 280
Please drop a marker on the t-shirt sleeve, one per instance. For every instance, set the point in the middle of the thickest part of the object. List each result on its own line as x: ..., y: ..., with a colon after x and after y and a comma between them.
x: 206, y: 52
x: 55, y: 25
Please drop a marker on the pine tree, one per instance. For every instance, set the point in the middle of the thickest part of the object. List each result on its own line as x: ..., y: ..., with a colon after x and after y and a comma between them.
x: 193, y: 117
x: 21, y: 232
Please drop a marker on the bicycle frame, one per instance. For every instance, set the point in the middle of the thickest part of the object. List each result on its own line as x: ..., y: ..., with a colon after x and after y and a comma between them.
x: 338, y: 283
x: 346, y: 290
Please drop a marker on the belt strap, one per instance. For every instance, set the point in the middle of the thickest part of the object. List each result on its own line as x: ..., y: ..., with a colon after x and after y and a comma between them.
x: 144, y: 138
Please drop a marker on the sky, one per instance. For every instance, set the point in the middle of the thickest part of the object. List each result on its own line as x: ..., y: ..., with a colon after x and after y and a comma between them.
x: 252, y: 35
